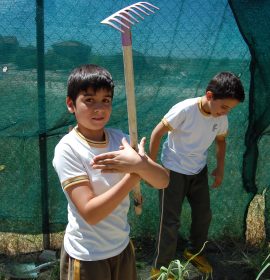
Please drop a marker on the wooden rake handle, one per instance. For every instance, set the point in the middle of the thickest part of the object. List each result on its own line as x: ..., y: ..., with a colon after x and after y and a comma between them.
x: 121, y: 21
x: 131, y: 108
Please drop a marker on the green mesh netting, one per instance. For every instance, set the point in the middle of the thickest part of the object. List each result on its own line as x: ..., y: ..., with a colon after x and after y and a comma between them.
x: 253, y: 21
x: 176, y: 52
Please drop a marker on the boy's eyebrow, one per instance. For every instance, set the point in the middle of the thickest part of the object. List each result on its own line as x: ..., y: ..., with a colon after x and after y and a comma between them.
x: 227, y: 107
x: 93, y: 93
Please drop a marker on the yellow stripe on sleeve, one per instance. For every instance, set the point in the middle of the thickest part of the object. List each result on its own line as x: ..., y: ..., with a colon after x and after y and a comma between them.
x: 165, y: 123
x: 223, y: 135
x: 75, y: 180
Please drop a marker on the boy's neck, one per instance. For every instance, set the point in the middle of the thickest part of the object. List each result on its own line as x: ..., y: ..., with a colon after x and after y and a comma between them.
x: 205, y: 106
x: 92, y: 135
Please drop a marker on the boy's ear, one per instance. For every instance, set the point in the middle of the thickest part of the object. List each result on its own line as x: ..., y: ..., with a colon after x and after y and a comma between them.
x: 209, y: 95
x: 70, y: 105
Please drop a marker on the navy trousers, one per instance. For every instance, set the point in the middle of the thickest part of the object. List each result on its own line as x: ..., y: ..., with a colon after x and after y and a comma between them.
x: 195, y: 188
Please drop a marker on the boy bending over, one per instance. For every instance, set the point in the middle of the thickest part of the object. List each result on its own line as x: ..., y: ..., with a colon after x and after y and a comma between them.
x: 191, y: 127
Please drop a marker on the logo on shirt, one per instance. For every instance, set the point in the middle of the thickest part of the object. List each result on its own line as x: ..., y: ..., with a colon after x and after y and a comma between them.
x: 215, y: 126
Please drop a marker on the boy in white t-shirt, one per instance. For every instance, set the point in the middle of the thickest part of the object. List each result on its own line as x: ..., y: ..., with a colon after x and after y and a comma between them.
x: 192, y: 125
x: 96, y: 242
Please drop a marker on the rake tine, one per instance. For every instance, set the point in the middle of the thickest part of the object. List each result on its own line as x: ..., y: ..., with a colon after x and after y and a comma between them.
x: 126, y: 14
x: 113, y: 25
x: 126, y: 18
x: 130, y: 15
x: 140, y: 9
x: 145, y: 7
x: 135, y: 12
x: 114, y: 18
x: 149, y: 4
x: 120, y: 22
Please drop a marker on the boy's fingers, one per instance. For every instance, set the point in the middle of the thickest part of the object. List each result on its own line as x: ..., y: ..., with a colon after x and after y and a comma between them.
x: 98, y: 166
x: 125, y: 142
x: 143, y: 140
x: 110, y: 171
x: 102, y: 163
x: 216, y: 183
x: 141, y: 146
x: 106, y: 168
x: 107, y: 162
x: 104, y: 156
x: 103, y: 166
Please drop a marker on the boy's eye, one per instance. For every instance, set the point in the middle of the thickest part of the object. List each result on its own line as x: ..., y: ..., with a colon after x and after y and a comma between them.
x: 107, y: 100
x: 90, y: 100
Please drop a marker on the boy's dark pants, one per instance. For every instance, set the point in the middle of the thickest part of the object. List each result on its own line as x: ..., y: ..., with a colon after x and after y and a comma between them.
x: 195, y: 188
x: 120, y: 267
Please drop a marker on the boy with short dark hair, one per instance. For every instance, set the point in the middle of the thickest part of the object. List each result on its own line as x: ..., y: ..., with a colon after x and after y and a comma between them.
x: 96, y: 242
x: 192, y: 125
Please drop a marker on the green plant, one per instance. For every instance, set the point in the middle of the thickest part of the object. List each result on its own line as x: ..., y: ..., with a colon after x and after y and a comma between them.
x: 176, y: 270
x: 256, y: 260
x: 265, y: 264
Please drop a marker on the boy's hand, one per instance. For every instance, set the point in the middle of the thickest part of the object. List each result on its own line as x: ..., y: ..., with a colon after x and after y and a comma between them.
x: 126, y: 160
x: 218, y: 175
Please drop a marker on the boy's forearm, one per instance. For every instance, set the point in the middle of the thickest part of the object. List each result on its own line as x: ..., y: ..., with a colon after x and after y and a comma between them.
x: 154, y: 148
x: 102, y: 205
x: 153, y: 173
x: 159, y: 131
x: 220, y: 154
x: 154, y: 145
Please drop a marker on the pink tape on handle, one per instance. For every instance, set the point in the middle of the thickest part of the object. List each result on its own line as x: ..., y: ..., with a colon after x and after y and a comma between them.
x: 126, y: 36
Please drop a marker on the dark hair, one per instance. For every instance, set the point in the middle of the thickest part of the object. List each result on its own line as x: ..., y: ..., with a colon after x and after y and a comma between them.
x: 88, y: 75
x: 226, y: 85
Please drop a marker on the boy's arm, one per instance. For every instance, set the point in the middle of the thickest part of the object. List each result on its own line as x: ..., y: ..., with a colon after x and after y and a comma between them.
x: 95, y: 208
x: 127, y: 160
x: 158, y: 132
x: 218, y: 173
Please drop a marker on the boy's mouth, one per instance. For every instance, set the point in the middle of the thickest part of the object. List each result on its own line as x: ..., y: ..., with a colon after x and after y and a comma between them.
x: 98, y: 118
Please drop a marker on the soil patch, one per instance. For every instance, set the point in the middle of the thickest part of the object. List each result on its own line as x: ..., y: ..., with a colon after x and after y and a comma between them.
x: 230, y: 261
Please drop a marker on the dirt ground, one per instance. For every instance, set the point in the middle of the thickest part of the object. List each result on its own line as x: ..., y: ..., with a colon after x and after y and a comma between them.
x: 230, y: 261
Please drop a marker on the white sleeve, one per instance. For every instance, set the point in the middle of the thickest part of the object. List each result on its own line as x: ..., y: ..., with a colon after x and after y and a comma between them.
x: 223, y: 130
x: 68, y: 166
x: 175, y: 116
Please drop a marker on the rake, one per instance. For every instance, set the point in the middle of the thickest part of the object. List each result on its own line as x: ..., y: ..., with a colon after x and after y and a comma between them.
x: 122, y: 21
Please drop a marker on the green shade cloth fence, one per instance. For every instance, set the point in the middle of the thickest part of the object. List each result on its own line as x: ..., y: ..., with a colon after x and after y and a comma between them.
x: 253, y: 20
x: 176, y: 52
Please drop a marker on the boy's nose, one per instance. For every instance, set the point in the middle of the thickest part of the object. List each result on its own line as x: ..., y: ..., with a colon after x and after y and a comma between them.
x: 222, y: 113
x: 99, y: 106
x: 226, y: 112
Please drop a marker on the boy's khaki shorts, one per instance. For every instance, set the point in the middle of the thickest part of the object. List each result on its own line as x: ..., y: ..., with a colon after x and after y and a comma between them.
x: 120, y: 267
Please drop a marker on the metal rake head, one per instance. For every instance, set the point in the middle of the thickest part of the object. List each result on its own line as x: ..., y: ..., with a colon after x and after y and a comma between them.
x: 125, y: 16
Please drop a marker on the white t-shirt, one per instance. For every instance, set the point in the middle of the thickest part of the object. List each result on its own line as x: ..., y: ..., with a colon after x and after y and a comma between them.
x: 191, y: 133
x: 72, y: 158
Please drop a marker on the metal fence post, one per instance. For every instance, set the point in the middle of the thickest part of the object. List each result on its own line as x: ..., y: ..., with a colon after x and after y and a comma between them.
x: 42, y: 122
